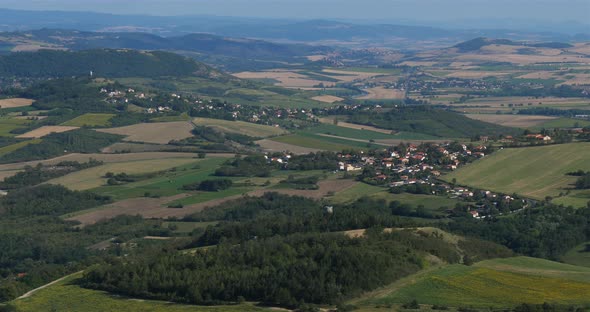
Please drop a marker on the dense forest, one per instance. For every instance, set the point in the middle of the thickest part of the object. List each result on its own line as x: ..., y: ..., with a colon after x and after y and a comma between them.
x: 285, y: 250
x: 428, y: 120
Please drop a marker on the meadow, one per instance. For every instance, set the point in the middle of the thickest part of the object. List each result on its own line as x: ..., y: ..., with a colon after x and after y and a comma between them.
x: 494, y: 283
x: 66, y: 295
x: 90, y: 120
x: 535, y: 172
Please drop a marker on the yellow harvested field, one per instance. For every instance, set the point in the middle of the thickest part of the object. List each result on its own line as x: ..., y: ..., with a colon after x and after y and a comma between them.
x: 157, y: 132
x: 45, y: 130
x: 327, y: 98
x: 382, y: 93
x: 315, y: 58
x: 287, y: 79
x: 241, y: 127
x: 518, y: 121
x: 15, y: 102
x: 273, y: 146
x: 94, y: 177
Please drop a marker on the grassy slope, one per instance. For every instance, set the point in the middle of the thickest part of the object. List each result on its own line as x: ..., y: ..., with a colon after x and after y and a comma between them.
x: 67, y: 296
x: 534, y: 171
x: 578, y: 255
x: 496, y: 283
x: 91, y: 120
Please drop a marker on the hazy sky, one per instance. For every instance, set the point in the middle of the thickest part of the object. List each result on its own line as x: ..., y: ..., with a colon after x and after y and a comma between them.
x: 419, y: 10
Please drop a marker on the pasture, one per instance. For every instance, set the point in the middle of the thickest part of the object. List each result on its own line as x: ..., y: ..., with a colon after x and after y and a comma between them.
x: 90, y: 120
x: 241, y: 127
x: 157, y: 132
x: 66, y: 295
x: 495, y: 283
x: 532, y: 171
x: 44, y: 131
x: 15, y: 102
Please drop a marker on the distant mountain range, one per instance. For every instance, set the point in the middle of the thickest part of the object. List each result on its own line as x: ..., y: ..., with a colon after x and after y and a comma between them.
x: 270, y: 29
x: 234, y: 53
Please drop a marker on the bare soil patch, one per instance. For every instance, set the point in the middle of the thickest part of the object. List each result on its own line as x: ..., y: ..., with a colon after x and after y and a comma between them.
x: 327, y: 98
x: 383, y: 93
x: 16, y: 102
x: 45, y: 130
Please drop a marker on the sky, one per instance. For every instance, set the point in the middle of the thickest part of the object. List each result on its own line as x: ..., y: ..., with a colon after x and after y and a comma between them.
x: 407, y: 10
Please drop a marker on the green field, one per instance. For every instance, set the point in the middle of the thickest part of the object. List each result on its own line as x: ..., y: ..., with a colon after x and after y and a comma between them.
x: 492, y: 283
x: 167, y: 184
x: 8, y: 124
x: 533, y: 171
x: 67, y: 296
x: 90, y: 120
x: 579, y: 255
x: 94, y: 177
x: 241, y: 127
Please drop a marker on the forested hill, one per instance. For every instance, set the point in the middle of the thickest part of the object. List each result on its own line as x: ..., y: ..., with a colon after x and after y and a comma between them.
x: 103, y: 63
x: 431, y: 121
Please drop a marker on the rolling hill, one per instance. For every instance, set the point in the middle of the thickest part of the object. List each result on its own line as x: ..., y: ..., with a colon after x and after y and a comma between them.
x: 104, y: 63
